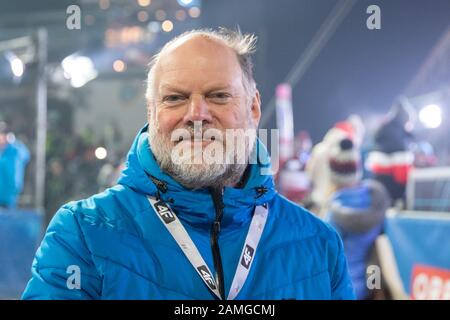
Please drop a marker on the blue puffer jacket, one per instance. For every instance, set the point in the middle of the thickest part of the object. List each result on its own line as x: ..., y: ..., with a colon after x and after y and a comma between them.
x: 125, y: 252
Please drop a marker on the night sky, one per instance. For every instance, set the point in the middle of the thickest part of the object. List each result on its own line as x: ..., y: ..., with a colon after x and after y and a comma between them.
x: 358, y: 71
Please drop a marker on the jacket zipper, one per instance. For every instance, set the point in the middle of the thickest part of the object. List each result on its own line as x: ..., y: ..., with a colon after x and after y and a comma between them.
x: 215, y: 230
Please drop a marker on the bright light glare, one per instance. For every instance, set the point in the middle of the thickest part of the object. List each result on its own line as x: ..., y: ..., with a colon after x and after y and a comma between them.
x: 431, y: 116
x: 119, y: 66
x: 79, y: 69
x: 184, y: 3
x: 17, y: 67
x: 144, y: 3
x: 194, y: 12
x: 167, y: 26
x: 101, y: 153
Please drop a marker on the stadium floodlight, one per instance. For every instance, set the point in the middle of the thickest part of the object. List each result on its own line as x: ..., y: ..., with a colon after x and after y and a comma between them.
x: 431, y: 116
x: 16, y: 64
x: 79, y: 70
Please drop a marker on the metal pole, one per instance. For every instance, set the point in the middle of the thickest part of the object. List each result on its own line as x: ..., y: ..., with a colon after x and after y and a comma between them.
x: 41, y: 120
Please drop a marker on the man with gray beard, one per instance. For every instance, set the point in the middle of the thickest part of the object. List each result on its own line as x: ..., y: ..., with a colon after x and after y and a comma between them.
x: 195, y: 214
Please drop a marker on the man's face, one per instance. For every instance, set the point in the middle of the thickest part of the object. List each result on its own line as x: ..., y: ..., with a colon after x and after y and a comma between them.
x: 199, y: 81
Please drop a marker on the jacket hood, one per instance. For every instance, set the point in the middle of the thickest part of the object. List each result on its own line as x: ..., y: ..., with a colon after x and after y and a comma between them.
x: 143, y: 174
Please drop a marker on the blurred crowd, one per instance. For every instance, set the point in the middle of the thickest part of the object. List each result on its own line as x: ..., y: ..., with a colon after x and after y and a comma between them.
x: 73, y: 169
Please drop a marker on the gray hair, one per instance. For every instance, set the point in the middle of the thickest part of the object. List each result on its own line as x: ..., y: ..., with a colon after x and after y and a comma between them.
x: 244, y: 45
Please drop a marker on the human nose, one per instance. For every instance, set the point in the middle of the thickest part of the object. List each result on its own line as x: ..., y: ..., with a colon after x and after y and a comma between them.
x: 198, y: 110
